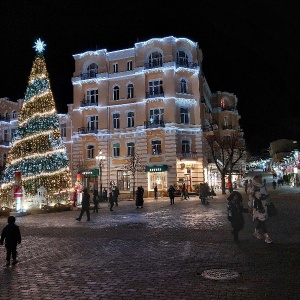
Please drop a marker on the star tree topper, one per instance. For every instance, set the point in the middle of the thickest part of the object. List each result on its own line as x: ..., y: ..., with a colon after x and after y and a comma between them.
x: 39, y: 46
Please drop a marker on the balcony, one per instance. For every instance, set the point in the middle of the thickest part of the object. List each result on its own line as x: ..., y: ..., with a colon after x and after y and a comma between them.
x: 154, y: 124
x: 154, y: 94
x: 5, y: 118
x: 156, y: 63
x: 4, y: 143
x: 89, y: 75
x: 88, y: 103
x: 185, y: 64
x: 187, y: 155
x: 87, y: 130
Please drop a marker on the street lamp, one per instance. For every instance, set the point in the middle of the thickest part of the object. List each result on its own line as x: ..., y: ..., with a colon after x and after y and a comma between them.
x: 100, y: 159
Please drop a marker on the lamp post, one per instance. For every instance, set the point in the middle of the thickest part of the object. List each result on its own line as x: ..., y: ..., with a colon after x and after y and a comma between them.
x: 100, y: 158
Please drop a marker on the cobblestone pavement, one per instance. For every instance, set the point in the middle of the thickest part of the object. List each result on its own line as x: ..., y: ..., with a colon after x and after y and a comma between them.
x: 162, y: 251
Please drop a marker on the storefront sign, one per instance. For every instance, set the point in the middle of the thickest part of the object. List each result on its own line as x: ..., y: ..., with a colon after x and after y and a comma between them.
x: 162, y: 168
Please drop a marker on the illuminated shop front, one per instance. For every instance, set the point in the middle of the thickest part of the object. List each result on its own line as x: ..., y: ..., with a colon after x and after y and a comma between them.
x: 157, y: 176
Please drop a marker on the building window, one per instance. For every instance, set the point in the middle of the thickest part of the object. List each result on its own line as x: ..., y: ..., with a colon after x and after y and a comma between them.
x: 14, y: 114
x: 92, y: 96
x: 156, y: 147
x: 12, y: 132
x: 63, y: 130
x: 123, y: 180
x: 184, y: 115
x: 90, y: 151
x: 129, y: 65
x: 116, y: 149
x: 182, y: 58
x: 116, y: 93
x: 156, y: 88
x: 115, y: 67
x: 130, y: 91
x: 130, y: 119
x: 5, y: 135
x: 92, y: 123
x: 116, y: 120
x: 130, y: 149
x: 92, y: 70
x: 186, y: 146
x: 155, y: 60
x: 156, y: 116
x: 226, y: 121
x: 183, y: 86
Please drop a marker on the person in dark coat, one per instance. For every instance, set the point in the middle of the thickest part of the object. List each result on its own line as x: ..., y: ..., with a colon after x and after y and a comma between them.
x: 85, y: 205
x: 12, y: 237
x: 155, y: 192
x: 95, y: 200
x: 111, y: 199
x: 104, y: 195
x: 171, y: 192
x: 116, y: 195
x: 139, y: 197
x: 235, y: 212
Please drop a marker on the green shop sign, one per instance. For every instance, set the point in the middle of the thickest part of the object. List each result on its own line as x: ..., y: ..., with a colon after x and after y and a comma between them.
x: 162, y: 168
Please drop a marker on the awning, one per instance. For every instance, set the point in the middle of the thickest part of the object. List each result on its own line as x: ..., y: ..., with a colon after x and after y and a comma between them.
x: 162, y: 168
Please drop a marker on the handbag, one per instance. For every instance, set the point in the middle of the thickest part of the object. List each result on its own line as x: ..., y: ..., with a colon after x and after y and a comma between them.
x: 271, y: 209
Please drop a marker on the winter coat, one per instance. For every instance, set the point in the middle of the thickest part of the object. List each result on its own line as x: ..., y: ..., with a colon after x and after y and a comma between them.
x: 235, y: 210
x: 11, y: 234
x: 85, y: 200
x: 258, y: 201
x: 139, y: 197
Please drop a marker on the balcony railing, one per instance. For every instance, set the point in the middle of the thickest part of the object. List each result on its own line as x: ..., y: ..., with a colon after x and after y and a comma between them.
x: 89, y: 75
x: 4, y: 118
x: 154, y: 94
x: 154, y: 64
x: 87, y: 130
x: 187, y: 154
x: 185, y: 64
x: 4, y: 143
x: 88, y: 103
x: 154, y: 124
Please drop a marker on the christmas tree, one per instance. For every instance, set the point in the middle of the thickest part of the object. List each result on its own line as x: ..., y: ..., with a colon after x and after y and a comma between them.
x: 37, y: 149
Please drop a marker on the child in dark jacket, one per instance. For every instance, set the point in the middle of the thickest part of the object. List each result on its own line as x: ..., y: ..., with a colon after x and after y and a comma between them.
x: 235, y: 212
x: 12, y: 236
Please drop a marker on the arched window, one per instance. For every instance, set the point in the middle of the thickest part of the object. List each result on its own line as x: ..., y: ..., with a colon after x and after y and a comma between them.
x: 92, y: 70
x: 182, y: 59
x: 155, y: 60
x: 116, y: 93
x: 130, y: 91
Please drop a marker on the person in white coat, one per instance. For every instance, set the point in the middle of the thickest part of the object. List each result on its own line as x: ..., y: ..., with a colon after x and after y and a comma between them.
x: 257, y: 204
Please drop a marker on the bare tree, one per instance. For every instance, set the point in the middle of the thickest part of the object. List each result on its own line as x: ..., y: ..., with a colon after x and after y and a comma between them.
x: 134, y: 165
x: 226, y: 151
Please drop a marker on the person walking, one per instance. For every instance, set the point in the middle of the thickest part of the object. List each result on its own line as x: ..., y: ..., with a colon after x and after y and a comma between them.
x: 171, y: 192
x: 155, y: 193
x: 95, y: 200
x: 111, y: 199
x: 235, y: 210
x: 246, y: 186
x: 104, y: 195
x: 85, y: 205
x: 257, y: 204
x: 12, y: 236
x: 139, y: 197
x: 116, y: 195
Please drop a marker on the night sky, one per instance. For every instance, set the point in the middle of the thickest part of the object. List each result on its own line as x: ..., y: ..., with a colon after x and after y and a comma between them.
x: 250, y: 49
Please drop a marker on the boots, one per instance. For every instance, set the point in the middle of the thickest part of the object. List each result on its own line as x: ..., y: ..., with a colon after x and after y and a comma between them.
x: 257, y: 234
x: 267, y: 238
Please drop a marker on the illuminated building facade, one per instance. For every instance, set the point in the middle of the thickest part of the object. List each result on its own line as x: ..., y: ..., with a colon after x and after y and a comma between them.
x: 145, y: 99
